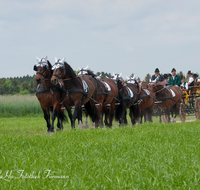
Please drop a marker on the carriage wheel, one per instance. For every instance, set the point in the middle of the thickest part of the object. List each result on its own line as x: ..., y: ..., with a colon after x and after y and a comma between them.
x: 197, y: 108
x: 182, y: 112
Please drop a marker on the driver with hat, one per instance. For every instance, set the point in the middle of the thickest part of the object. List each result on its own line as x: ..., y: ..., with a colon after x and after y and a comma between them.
x: 157, y: 77
x: 175, y: 79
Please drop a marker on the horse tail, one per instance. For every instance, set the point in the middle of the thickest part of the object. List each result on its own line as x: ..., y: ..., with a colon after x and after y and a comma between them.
x: 92, y: 111
x: 135, y: 110
x: 119, y: 108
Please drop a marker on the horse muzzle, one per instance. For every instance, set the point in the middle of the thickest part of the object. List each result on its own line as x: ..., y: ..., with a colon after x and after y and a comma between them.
x: 38, y: 80
x: 54, y: 81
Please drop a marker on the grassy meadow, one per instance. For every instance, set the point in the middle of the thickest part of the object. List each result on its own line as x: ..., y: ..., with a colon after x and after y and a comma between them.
x: 19, y: 106
x: 147, y: 156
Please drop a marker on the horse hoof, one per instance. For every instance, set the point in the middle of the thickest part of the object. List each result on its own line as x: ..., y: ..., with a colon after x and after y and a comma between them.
x: 58, y: 129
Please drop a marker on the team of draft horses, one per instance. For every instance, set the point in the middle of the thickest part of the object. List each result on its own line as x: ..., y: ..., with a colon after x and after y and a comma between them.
x: 59, y: 86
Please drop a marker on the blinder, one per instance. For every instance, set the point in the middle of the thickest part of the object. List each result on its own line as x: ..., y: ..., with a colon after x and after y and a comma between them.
x: 40, y: 66
x: 35, y: 68
x: 58, y: 66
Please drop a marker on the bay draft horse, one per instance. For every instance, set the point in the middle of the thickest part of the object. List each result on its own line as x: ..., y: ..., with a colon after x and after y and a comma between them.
x: 146, y: 99
x: 44, y: 92
x: 107, y: 93
x: 169, y: 98
x: 128, y: 95
x: 80, y: 90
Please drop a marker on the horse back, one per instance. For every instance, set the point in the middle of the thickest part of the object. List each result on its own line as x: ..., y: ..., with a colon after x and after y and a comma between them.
x: 178, y: 92
x: 113, y: 86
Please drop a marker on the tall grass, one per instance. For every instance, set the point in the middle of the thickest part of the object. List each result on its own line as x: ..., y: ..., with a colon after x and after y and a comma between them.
x: 149, y: 156
x: 19, y: 105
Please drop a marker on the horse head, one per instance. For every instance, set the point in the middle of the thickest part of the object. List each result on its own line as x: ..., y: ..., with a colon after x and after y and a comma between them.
x: 42, y: 68
x: 58, y: 71
x: 118, y: 79
x: 83, y: 71
x: 155, y: 86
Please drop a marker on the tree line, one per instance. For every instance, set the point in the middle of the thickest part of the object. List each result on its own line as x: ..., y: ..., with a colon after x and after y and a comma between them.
x: 27, y: 84
x: 18, y: 85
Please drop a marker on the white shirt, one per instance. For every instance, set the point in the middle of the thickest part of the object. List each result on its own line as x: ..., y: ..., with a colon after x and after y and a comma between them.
x: 191, y: 79
x: 186, y: 85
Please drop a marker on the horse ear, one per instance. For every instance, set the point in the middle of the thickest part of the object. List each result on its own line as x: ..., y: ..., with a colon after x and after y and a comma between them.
x: 120, y: 75
x: 56, y: 60
x: 86, y: 68
x: 46, y: 58
x: 38, y: 59
x: 35, y: 68
x: 63, y: 60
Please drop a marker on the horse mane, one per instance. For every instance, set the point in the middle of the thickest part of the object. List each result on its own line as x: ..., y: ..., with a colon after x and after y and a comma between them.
x: 50, y: 66
x: 69, y: 71
x: 71, y: 74
x: 91, y: 73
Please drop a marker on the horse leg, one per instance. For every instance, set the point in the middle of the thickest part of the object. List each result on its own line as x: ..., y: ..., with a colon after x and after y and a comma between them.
x: 176, y: 110
x: 86, y: 121
x: 70, y: 115
x: 150, y: 112
x: 111, y: 113
x: 106, y: 111
x: 47, y: 118
x: 100, y: 110
x: 160, y: 114
x: 53, y: 116
x: 123, y: 114
x: 141, y: 116
x: 76, y: 113
x: 130, y: 114
x: 125, y: 118
x: 168, y: 114
x: 134, y: 110
x: 60, y: 121
x: 80, y: 123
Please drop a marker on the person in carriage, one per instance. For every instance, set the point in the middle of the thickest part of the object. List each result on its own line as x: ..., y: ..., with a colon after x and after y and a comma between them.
x: 174, y: 80
x: 184, y: 84
x: 190, y: 80
x: 195, y: 76
x: 157, y: 77
x: 166, y: 80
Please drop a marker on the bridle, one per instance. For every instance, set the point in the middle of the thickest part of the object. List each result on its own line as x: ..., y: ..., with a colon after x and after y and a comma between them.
x: 42, y: 74
x: 62, y: 70
x: 39, y: 72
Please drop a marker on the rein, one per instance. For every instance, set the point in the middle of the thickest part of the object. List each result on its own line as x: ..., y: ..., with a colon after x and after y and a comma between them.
x: 160, y: 90
x: 165, y: 98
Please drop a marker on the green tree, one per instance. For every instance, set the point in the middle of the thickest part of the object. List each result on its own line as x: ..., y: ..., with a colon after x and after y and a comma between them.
x: 147, y: 77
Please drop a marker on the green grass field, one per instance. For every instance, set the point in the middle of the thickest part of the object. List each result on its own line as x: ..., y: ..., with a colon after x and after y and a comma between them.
x: 19, y: 106
x: 147, y: 156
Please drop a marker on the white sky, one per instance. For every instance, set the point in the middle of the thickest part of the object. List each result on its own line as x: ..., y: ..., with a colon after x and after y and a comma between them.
x: 127, y: 36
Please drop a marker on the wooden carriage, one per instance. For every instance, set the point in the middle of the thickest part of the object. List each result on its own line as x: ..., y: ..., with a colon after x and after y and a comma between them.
x: 190, y: 104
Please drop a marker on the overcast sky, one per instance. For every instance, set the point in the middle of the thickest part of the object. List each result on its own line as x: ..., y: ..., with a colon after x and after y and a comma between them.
x: 128, y: 36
